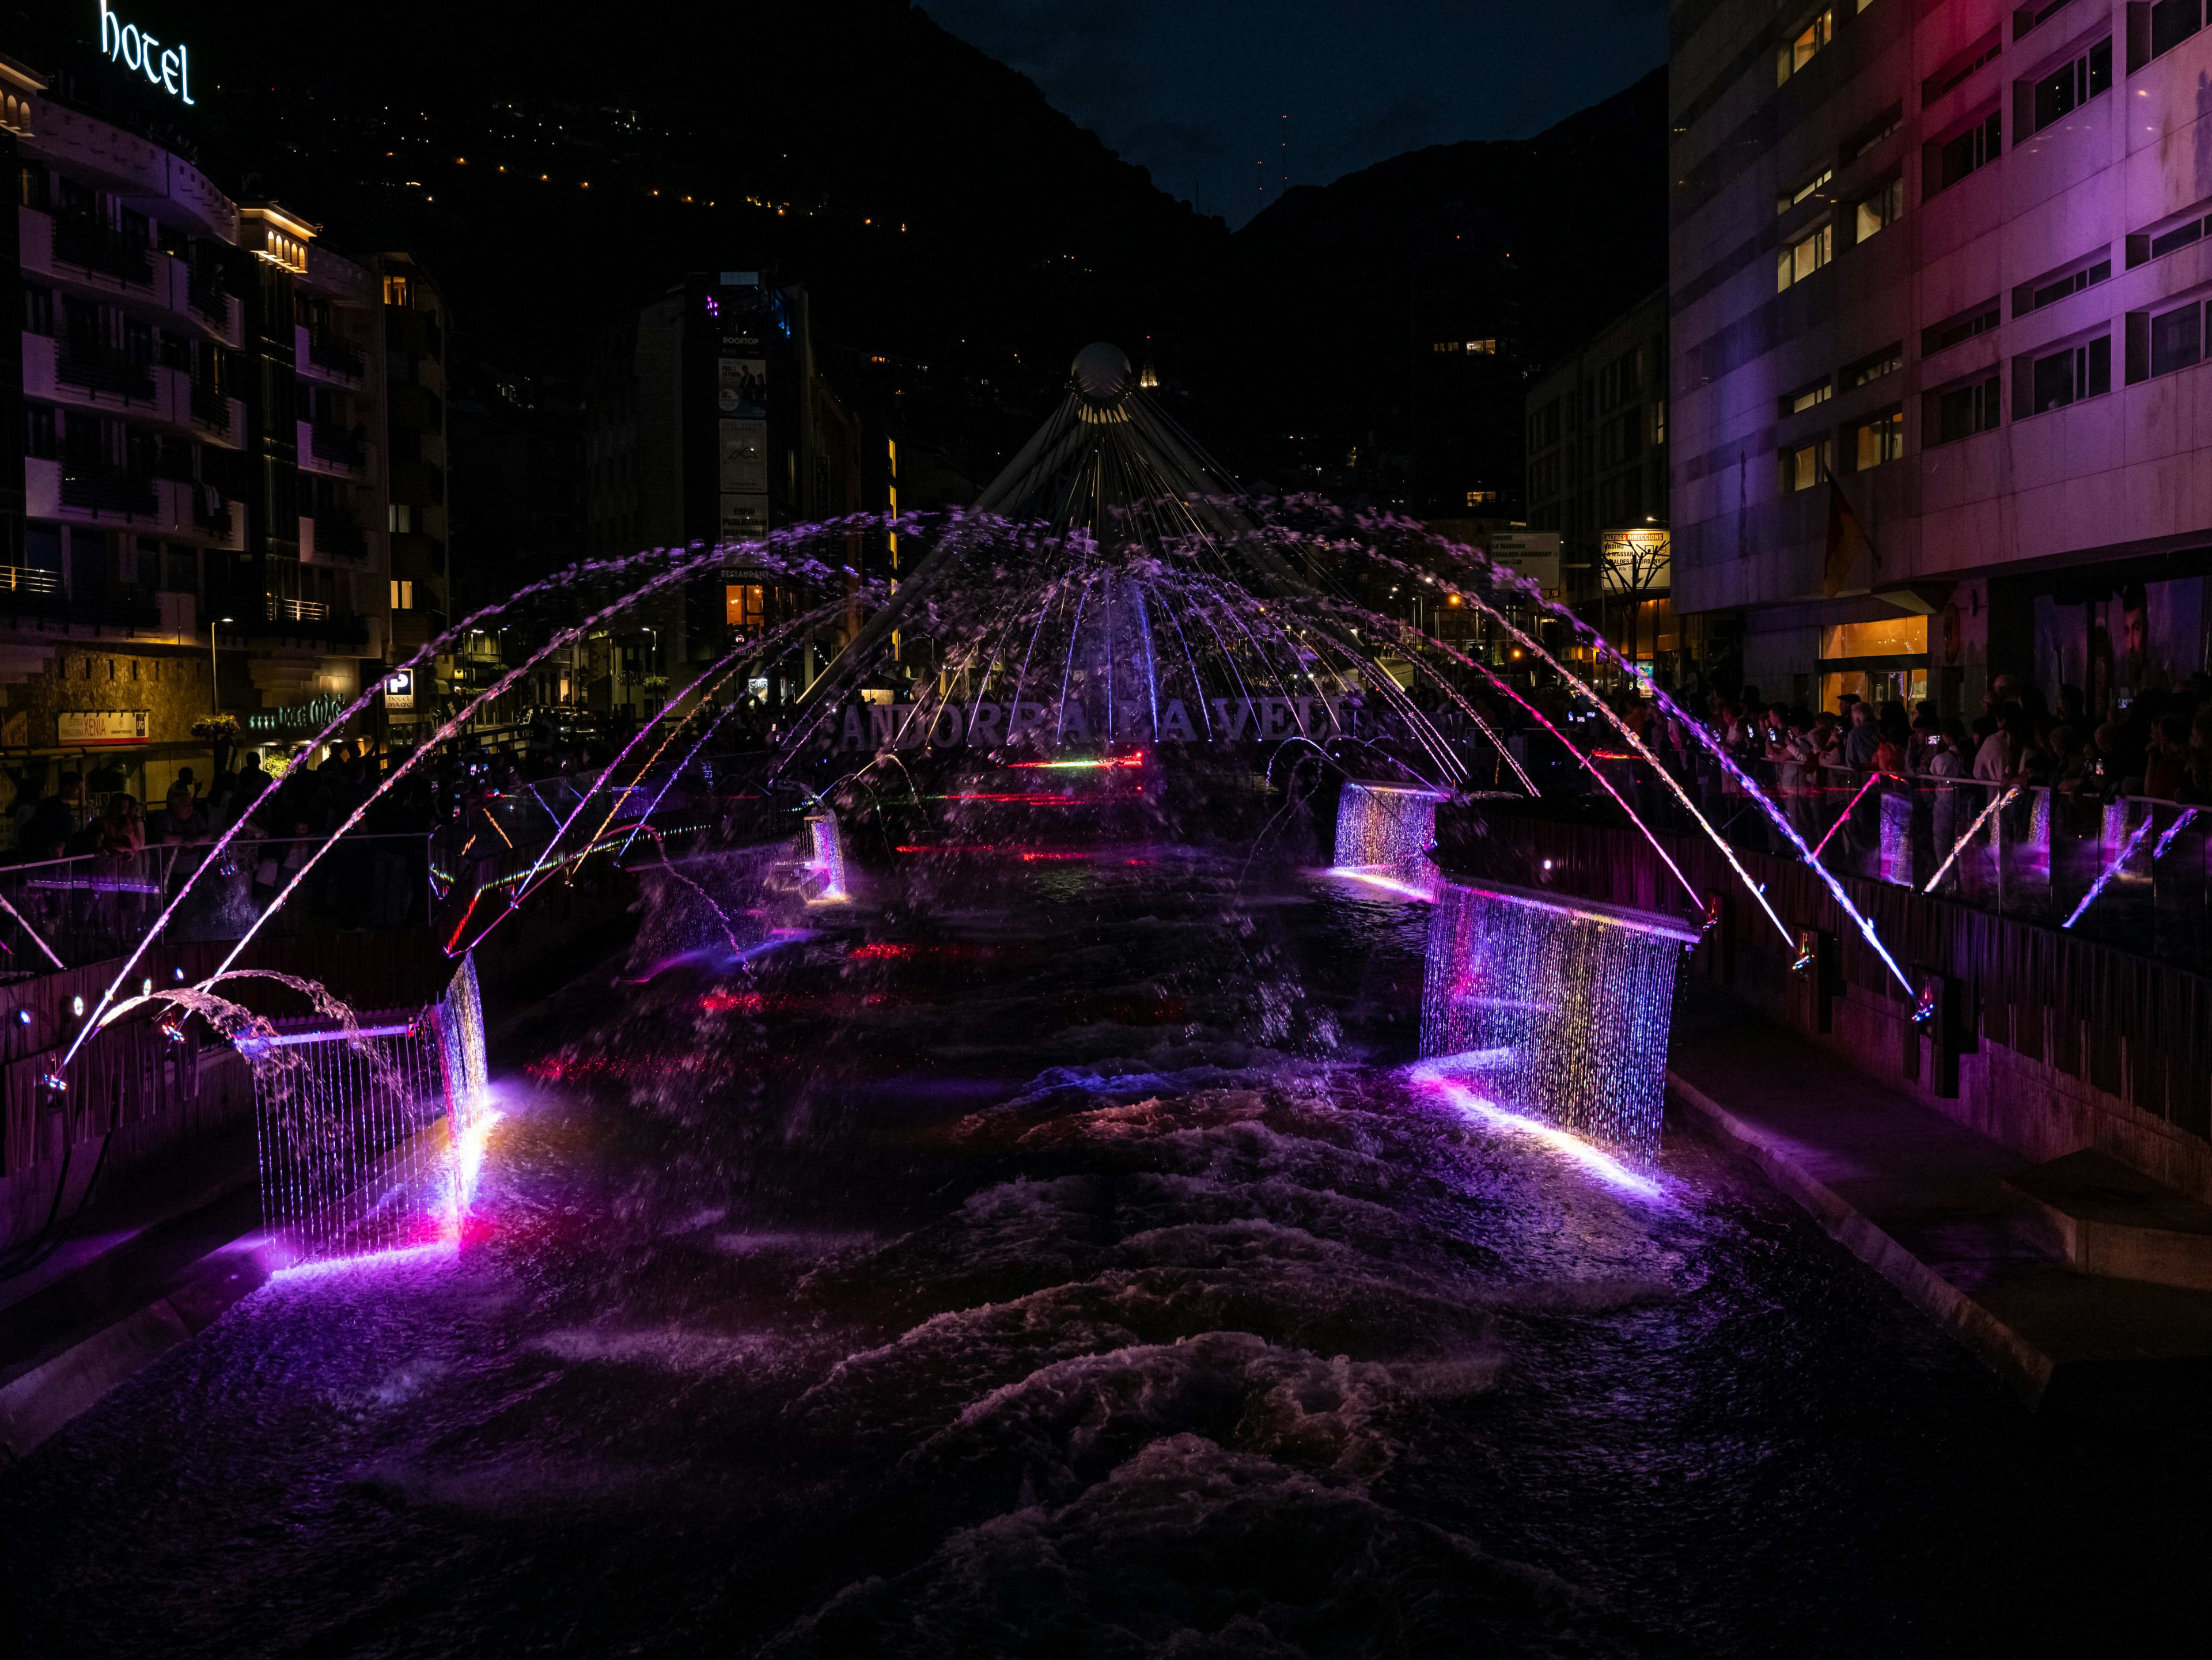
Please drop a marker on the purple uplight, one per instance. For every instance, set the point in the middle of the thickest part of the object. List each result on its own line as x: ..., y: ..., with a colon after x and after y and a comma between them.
x: 1603, y: 1165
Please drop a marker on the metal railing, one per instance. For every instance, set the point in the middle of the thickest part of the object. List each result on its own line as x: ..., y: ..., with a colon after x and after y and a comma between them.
x: 108, y: 490
x: 346, y: 446
x: 94, y: 906
x: 101, y: 370
x: 282, y: 609
x: 2130, y: 871
x: 90, y: 246
x: 210, y: 408
x: 205, y: 294
x: 338, y: 535
x: 329, y: 352
x: 30, y: 581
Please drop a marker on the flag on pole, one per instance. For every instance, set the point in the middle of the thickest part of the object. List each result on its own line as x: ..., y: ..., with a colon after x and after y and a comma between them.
x: 1847, y: 539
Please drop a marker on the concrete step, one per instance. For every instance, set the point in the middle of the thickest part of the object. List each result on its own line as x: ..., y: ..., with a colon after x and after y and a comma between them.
x: 1940, y: 1212
x: 2109, y: 1218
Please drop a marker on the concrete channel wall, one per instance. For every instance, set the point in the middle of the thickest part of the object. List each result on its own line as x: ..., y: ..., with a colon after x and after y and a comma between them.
x: 2054, y: 1043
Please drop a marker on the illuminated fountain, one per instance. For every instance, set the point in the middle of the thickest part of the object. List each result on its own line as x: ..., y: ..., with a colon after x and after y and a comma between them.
x: 827, y: 867
x: 1384, y: 834
x: 1117, y: 636
x: 1552, y: 1011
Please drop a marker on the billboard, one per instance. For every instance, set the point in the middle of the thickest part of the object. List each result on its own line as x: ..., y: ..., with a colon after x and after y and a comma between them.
x: 1636, y: 561
x: 741, y: 387
x: 95, y: 728
x: 1534, y: 554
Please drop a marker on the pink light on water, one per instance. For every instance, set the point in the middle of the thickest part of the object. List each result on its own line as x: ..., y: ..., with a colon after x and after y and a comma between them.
x: 449, y: 1245
x: 1377, y: 878
x: 1602, y: 1164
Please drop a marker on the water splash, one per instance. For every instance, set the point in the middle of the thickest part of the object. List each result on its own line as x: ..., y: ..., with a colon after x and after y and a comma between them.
x: 1383, y: 835
x: 1563, y: 1010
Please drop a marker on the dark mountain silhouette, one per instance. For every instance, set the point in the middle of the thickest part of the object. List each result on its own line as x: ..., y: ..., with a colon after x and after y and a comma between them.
x: 1343, y: 291
x: 961, y: 237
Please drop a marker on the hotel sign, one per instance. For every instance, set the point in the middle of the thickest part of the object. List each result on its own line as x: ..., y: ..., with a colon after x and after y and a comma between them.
x: 169, y: 68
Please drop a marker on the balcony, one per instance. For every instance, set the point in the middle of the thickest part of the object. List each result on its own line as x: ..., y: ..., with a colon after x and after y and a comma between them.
x: 109, y: 490
x: 26, y: 592
x: 207, y: 299
x: 302, y: 619
x: 334, y: 451
x: 335, y: 536
x: 27, y: 581
x: 333, y: 355
x: 102, y: 369
x: 414, y: 332
x: 415, y: 408
x: 416, y: 557
x: 418, y: 484
x: 211, y: 514
x: 93, y: 247
x: 215, y: 411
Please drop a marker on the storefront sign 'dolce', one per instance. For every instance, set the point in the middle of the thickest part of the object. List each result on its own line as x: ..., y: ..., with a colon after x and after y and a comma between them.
x: 169, y: 68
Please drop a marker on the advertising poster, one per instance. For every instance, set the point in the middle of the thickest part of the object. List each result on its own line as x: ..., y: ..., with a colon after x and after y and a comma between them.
x: 745, y: 457
x: 745, y: 518
x: 741, y: 387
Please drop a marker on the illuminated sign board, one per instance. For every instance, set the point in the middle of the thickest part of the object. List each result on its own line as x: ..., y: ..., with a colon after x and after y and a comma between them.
x: 169, y: 68
x: 399, y: 689
x: 1534, y: 554
x: 93, y: 728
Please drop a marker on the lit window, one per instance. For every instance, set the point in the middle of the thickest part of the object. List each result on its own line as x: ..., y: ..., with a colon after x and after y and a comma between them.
x: 1803, y: 256
x: 1449, y: 345
x: 395, y: 291
x: 1800, y: 52
x: 1483, y: 347
x: 1805, y: 190
x: 1878, y: 212
x: 402, y: 595
x: 1805, y: 466
x: 1796, y: 402
x: 1478, y: 498
x: 1880, y: 440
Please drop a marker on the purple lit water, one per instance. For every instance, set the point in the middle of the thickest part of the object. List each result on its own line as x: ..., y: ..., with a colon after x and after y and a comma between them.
x: 1053, y: 1261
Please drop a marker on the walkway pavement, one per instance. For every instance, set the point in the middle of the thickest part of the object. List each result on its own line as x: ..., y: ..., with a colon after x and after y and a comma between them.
x: 1965, y: 1228
x: 141, y: 1271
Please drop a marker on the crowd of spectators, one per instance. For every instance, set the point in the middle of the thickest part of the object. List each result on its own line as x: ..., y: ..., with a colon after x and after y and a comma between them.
x: 2158, y: 747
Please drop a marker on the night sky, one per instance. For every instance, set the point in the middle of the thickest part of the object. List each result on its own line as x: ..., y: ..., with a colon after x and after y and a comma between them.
x: 1197, y: 90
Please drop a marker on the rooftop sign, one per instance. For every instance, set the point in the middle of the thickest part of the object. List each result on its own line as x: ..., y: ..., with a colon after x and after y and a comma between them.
x: 167, y: 67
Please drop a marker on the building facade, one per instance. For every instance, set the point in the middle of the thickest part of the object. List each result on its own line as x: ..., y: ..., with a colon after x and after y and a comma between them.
x: 192, y: 511
x: 707, y: 419
x: 1940, y: 269
x: 1597, y: 475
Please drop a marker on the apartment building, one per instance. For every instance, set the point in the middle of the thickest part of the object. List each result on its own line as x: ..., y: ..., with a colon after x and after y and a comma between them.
x: 707, y: 419
x: 1940, y: 266
x: 1597, y: 475
x: 193, y: 512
